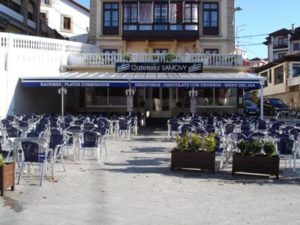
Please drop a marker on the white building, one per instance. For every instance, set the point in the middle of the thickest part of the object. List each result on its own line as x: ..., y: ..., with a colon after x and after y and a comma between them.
x: 68, y: 17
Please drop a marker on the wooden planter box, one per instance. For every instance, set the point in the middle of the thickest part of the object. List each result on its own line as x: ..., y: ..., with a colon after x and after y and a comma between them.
x: 255, y: 164
x: 196, y: 160
x: 7, y: 177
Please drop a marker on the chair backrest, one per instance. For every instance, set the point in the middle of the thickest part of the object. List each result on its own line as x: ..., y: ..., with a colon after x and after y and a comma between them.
x: 262, y: 125
x: 13, y: 132
x: 90, y: 139
x: 285, y: 146
x: 101, y: 130
x: 55, y: 139
x: 174, y: 124
x: 33, y: 134
x: 123, y: 124
x: 229, y: 128
x: 31, y: 151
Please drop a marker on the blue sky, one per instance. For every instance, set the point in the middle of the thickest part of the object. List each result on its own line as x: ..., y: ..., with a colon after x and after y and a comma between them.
x: 259, y: 17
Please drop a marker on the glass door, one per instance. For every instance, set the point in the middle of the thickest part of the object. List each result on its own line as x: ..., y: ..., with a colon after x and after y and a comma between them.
x: 160, y: 102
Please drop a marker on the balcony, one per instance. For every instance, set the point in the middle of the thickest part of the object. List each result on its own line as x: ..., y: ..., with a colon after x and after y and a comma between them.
x: 108, y: 59
x: 161, y: 31
x: 280, y: 44
x: 293, y: 81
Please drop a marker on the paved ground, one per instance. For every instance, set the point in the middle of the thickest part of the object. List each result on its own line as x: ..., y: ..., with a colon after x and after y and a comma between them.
x: 134, y: 185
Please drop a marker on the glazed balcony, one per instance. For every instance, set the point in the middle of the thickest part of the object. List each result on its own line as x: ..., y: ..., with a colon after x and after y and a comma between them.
x: 109, y: 59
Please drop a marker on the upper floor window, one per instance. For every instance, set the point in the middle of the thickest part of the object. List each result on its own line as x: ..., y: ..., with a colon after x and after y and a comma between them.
x: 160, y: 16
x: 145, y: 13
x: 176, y: 13
x: 110, y: 18
x: 210, y: 18
x: 66, y: 23
x: 31, y: 10
x: 280, y: 42
x: 46, y: 2
x: 110, y: 51
x: 16, y: 5
x: 296, y: 70
x: 130, y: 16
x: 278, y: 73
x: 296, y: 46
x: 270, y: 76
x: 191, y: 13
x: 43, y: 17
x: 211, y: 51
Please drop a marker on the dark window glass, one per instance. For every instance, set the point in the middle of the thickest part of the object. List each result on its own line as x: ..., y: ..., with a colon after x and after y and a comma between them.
x: 296, y: 46
x: 67, y: 23
x: 296, y: 70
x: 160, y: 13
x: 211, y: 51
x: 278, y: 75
x: 111, y: 18
x: 211, y: 18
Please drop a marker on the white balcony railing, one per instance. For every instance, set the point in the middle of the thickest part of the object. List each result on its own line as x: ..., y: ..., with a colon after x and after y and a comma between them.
x: 209, y: 60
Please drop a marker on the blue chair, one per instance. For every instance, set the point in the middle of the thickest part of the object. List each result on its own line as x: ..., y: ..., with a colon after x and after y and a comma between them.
x: 57, y: 143
x: 173, y: 125
x: 287, y: 150
x: 90, y: 141
x: 33, y: 154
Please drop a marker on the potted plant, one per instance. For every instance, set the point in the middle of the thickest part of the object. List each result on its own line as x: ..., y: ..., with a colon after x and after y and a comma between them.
x: 169, y: 57
x: 256, y: 157
x: 7, y: 174
x: 126, y: 57
x: 194, y: 151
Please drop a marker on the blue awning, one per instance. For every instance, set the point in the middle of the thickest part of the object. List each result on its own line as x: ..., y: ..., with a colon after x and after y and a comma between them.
x: 166, y: 80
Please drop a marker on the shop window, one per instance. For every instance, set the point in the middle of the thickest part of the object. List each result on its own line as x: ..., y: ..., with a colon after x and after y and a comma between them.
x: 225, y: 97
x: 96, y: 96
x: 210, y: 18
x: 205, y: 97
x: 278, y: 74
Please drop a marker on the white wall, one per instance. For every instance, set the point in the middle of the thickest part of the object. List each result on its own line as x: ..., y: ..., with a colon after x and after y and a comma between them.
x: 30, y: 56
x: 79, y: 18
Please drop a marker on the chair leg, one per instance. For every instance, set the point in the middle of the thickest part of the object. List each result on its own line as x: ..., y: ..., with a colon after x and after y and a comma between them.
x: 42, y: 174
x: 21, y: 170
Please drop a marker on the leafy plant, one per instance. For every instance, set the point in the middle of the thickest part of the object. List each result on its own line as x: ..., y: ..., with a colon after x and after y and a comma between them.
x: 209, y: 142
x: 127, y: 57
x: 1, y: 160
x: 195, y: 142
x: 170, y: 57
x: 182, y: 142
x: 269, y: 148
x: 254, y: 148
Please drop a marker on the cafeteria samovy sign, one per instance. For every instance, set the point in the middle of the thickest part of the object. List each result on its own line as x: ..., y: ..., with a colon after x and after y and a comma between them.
x: 122, y: 67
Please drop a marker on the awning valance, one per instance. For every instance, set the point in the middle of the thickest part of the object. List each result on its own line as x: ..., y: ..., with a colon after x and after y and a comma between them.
x: 165, y: 80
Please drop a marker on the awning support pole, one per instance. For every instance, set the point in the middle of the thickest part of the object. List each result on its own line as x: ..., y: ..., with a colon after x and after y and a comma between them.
x: 261, y: 101
x: 62, y: 91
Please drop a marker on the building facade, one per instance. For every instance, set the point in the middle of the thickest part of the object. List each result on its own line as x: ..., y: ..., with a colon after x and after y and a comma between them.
x: 282, y: 79
x: 283, y: 42
x: 282, y: 71
x: 17, y: 16
x: 194, y: 26
x: 67, y: 17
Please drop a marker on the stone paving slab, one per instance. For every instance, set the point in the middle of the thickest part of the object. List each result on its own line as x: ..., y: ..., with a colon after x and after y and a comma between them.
x: 134, y: 185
